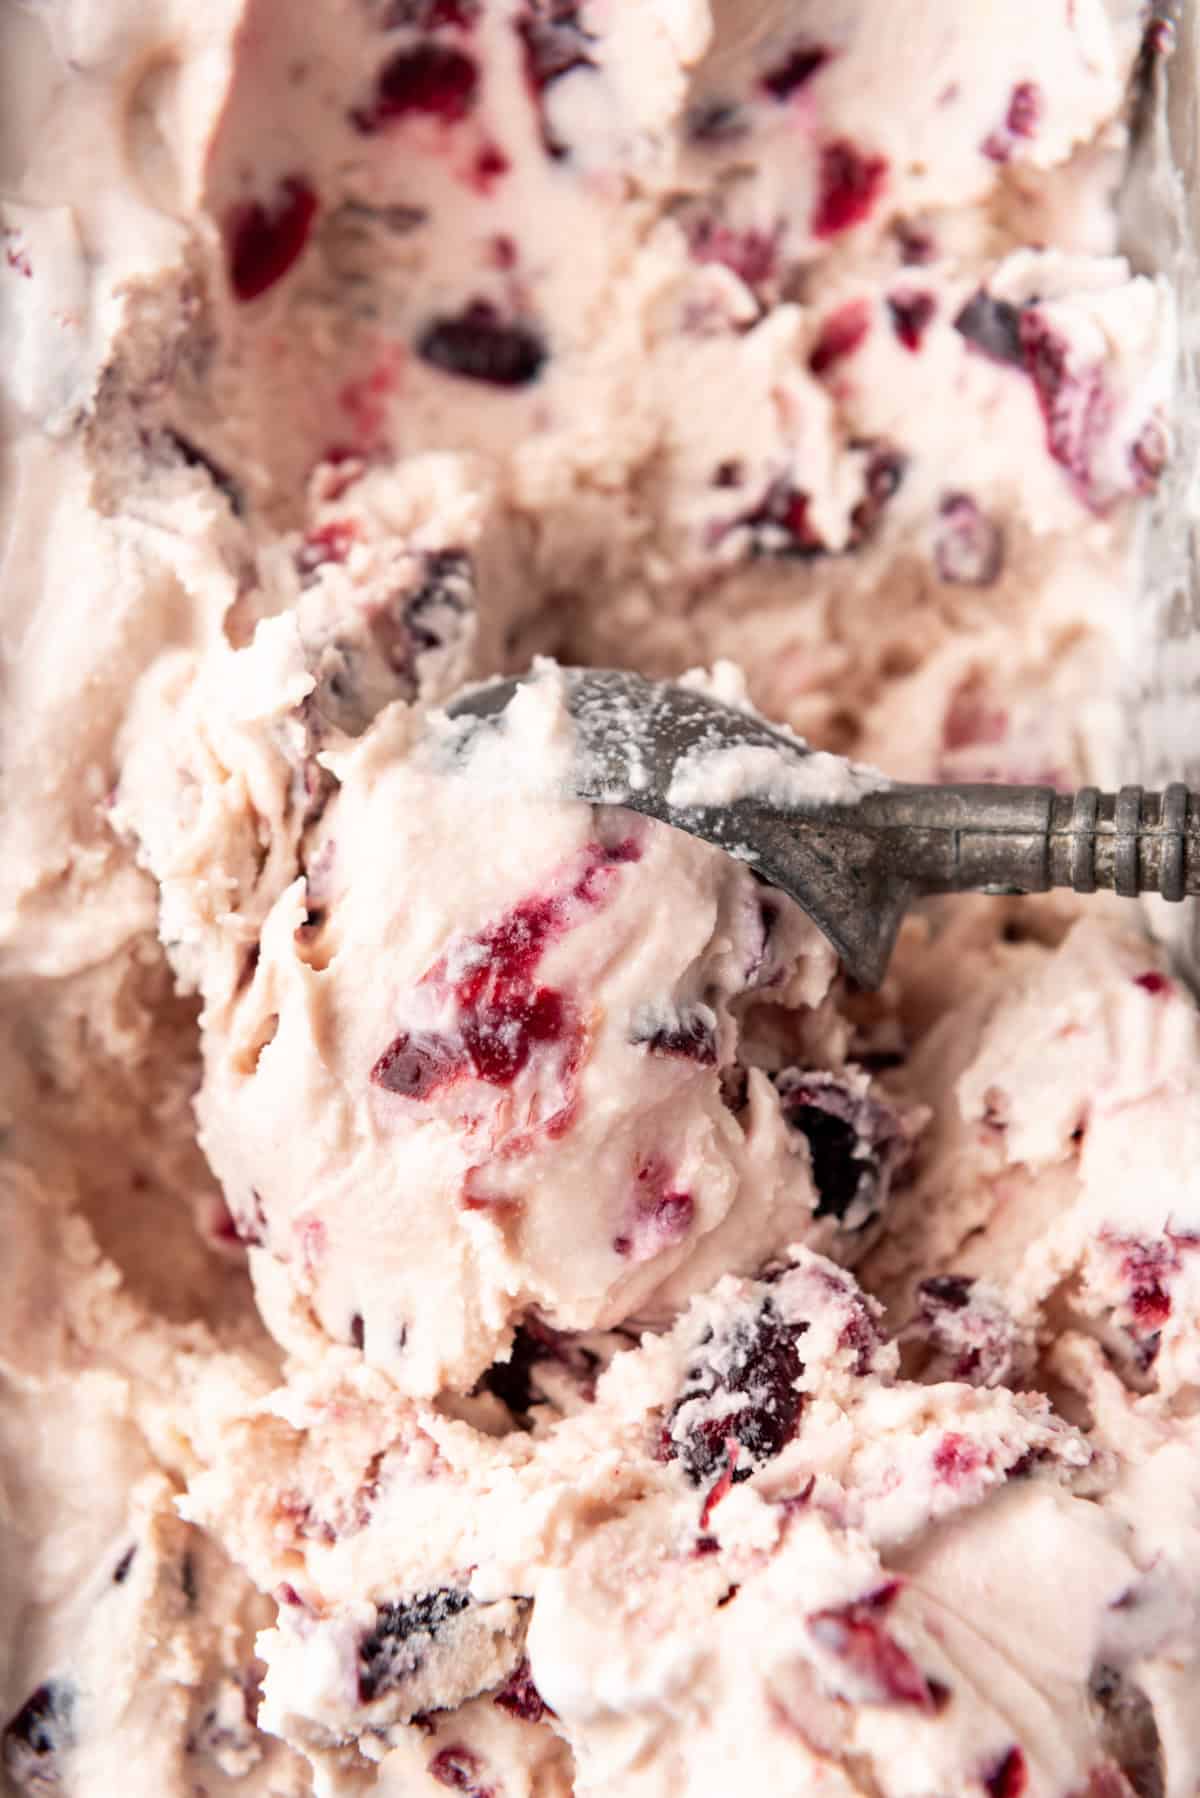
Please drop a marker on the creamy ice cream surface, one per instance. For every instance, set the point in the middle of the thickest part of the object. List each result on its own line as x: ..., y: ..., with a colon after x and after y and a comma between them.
x: 490, y: 1307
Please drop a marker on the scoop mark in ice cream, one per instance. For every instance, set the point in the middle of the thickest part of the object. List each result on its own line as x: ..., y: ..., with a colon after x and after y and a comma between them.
x: 502, y: 1015
x: 394, y: 1649
x: 477, y: 344
x: 433, y: 79
x: 879, y: 1669
x: 849, y: 182
x: 553, y: 44
x: 911, y: 313
x: 840, y: 335
x: 36, y: 1741
x: 795, y: 71
x: 755, y: 1362
x: 264, y: 239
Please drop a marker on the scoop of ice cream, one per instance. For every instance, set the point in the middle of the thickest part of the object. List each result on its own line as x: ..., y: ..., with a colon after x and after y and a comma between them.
x: 576, y: 1072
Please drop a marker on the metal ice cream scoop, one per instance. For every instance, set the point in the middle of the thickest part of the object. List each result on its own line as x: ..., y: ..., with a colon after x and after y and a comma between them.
x: 855, y: 863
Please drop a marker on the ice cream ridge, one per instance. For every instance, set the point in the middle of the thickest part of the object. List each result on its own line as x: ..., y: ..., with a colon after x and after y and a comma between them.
x: 490, y: 1305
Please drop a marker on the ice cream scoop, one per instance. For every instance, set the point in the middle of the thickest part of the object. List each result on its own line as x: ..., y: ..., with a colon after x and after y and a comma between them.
x: 852, y: 848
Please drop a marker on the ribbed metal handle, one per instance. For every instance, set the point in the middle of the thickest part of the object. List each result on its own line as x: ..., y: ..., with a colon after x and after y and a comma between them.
x: 1130, y: 842
x: 1029, y: 839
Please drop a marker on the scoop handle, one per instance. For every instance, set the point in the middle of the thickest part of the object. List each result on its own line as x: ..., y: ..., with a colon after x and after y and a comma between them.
x: 958, y: 839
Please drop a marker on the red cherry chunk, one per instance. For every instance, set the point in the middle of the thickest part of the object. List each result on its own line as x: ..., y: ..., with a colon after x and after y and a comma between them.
x: 264, y: 239
x: 849, y: 183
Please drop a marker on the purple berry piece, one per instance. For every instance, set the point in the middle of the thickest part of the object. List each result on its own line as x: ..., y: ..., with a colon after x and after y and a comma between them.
x: 855, y: 1144
x: 911, y: 314
x: 754, y: 1358
x: 476, y: 344
x: 795, y: 71
x: 36, y: 1742
x: 993, y: 326
x: 394, y: 1649
x: 535, y: 1344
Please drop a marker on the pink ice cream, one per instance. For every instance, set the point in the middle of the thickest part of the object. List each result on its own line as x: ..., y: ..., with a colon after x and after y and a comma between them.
x: 491, y: 1307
